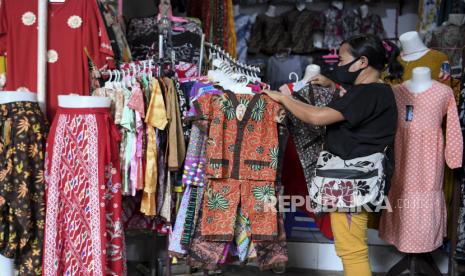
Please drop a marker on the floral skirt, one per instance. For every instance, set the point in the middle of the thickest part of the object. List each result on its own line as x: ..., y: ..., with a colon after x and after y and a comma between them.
x: 83, y: 229
x: 22, y: 207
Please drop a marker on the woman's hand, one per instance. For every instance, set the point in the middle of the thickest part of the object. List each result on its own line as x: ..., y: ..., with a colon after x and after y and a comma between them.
x: 275, y: 95
x: 323, y: 81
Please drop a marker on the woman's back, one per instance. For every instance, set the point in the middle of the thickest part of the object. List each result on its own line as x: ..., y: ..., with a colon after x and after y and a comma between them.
x: 370, y: 113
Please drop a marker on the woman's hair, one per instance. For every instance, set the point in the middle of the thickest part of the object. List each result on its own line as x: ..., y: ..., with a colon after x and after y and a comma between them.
x: 381, y: 55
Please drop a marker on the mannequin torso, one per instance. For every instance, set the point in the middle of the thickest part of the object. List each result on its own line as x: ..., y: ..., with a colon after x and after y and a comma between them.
x: 364, y: 11
x: 413, y: 47
x: 311, y: 71
x: 300, y: 7
x: 421, y: 80
x: 83, y: 102
x: 271, y: 12
x: 337, y: 4
x: 14, y: 96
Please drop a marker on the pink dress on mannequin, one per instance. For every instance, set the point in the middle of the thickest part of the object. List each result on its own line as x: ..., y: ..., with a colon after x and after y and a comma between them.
x: 417, y: 223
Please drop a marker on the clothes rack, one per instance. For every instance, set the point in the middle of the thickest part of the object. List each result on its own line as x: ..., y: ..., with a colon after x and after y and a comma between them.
x: 221, y: 52
x: 42, y: 53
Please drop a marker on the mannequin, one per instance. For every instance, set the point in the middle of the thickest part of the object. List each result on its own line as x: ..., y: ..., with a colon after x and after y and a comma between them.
x: 421, y: 80
x: 364, y: 10
x: 311, y: 71
x: 413, y: 47
x: 6, y: 266
x: 14, y: 96
x: 457, y: 19
x: 237, y: 10
x: 300, y: 6
x: 72, y: 101
x: 338, y: 4
x: 271, y: 12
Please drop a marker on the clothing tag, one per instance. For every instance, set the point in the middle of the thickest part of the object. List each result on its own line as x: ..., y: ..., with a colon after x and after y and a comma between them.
x: 409, y: 113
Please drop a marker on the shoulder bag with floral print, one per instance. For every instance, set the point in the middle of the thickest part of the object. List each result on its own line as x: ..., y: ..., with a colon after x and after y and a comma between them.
x: 348, y: 184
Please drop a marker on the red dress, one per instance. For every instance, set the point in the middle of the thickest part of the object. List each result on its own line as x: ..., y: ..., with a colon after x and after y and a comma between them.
x: 73, y: 27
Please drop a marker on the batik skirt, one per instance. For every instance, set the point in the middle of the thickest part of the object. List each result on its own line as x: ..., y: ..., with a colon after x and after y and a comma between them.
x: 23, y: 131
x: 83, y: 229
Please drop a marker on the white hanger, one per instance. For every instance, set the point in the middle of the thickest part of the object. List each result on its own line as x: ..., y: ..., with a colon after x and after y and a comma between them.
x: 294, y: 74
x: 119, y: 83
x: 108, y: 83
x: 150, y: 69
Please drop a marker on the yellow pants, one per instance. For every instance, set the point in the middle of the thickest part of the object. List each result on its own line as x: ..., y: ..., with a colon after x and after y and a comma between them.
x: 350, y: 240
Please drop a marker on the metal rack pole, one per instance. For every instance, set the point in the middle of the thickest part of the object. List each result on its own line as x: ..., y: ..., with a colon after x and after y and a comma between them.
x: 202, y: 49
x: 42, y: 54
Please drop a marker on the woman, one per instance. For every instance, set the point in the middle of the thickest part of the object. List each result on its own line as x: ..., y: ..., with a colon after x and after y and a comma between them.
x: 359, y: 123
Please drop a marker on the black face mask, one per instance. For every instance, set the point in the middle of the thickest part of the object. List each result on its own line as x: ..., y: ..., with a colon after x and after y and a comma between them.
x: 344, y: 77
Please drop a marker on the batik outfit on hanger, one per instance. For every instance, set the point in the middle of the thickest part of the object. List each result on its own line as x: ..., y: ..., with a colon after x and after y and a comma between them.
x: 23, y: 131
x: 300, y: 27
x: 333, y: 27
x: 143, y: 36
x: 242, y: 153
x: 351, y: 24
x: 449, y: 39
x: 67, y: 59
x: 84, y: 229
x: 372, y: 24
x: 421, y: 227
x: 303, y: 149
x: 266, y: 35
x: 309, y: 139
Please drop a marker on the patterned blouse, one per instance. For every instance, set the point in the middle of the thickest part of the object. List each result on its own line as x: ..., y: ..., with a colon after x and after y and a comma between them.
x: 309, y: 139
